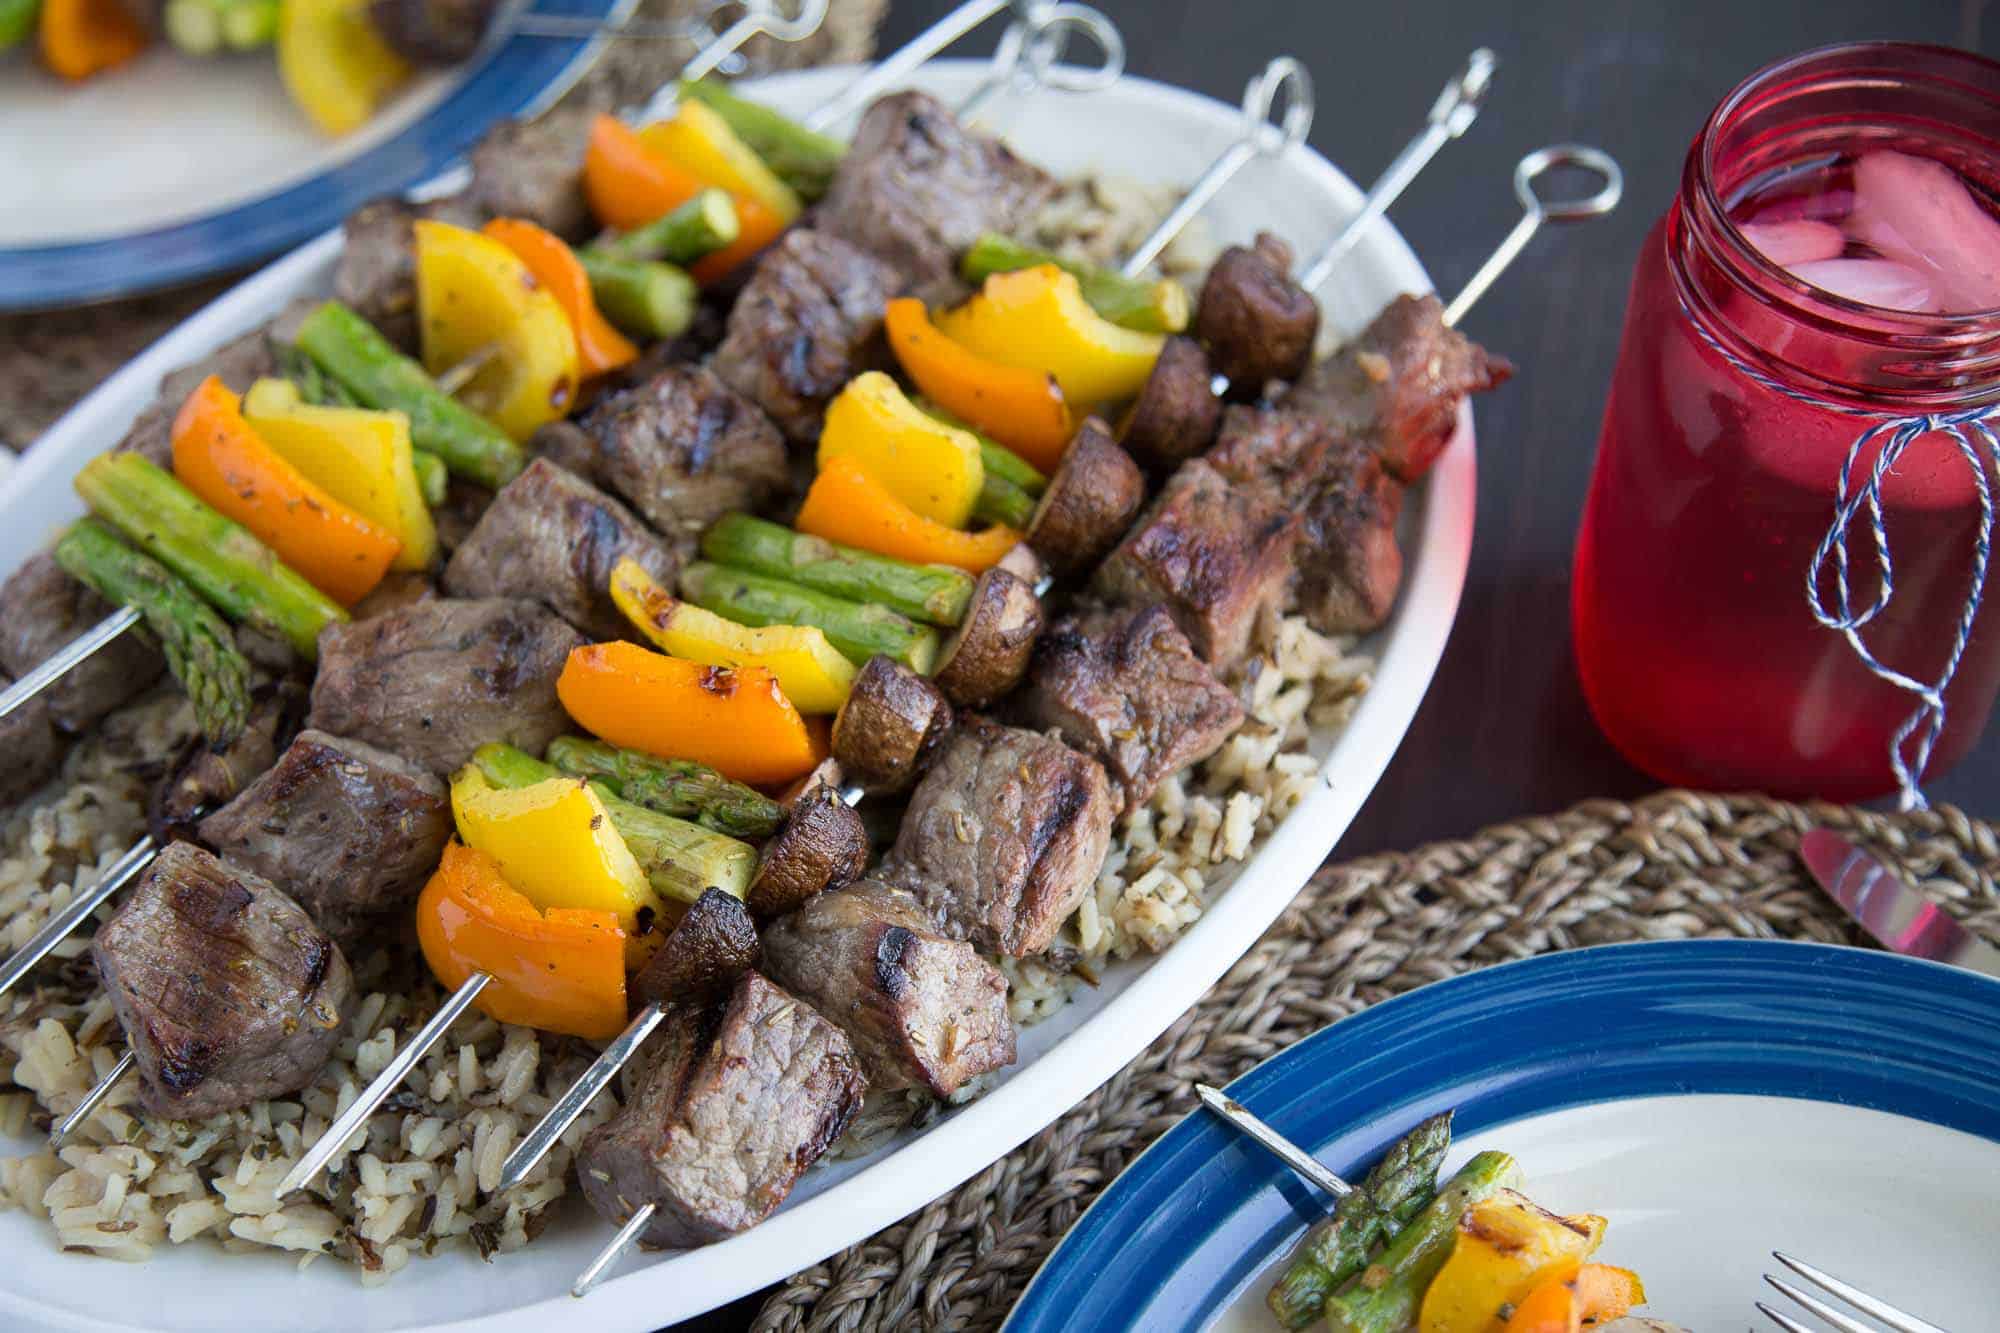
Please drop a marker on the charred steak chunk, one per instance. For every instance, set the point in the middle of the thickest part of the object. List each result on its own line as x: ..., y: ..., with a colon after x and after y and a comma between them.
x: 922, y: 1010
x: 1349, y: 566
x: 352, y: 832
x: 806, y: 323
x: 553, y: 536
x: 1276, y: 454
x: 1258, y: 324
x: 916, y: 187
x: 1399, y: 384
x: 227, y: 991
x: 33, y: 749
x: 1124, y: 685
x: 41, y: 610
x: 700, y: 960
x: 376, y: 275
x: 681, y: 448
x: 1003, y: 837
x: 1176, y: 412
x: 434, y: 681
x: 533, y: 169
x: 1213, y: 554
x: 725, y: 1109
x: 207, y: 776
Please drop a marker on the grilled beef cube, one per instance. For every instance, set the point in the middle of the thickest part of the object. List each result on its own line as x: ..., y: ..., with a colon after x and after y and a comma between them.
x: 434, y: 681
x: 893, y: 719
x: 533, y: 170
x: 227, y: 991
x: 33, y: 749
x: 922, y: 1010
x: 681, y: 448
x: 396, y: 590
x: 1349, y: 566
x: 1213, y: 554
x: 1258, y: 324
x: 551, y: 535
x: 208, y: 776
x: 1124, y: 685
x: 725, y: 1109
x: 806, y: 323
x: 376, y: 274
x: 1399, y: 384
x: 916, y: 187
x: 352, y: 832
x: 700, y: 960
x: 464, y: 503
x: 41, y: 610
x: 1004, y: 836
x: 1176, y: 412
x: 1276, y: 454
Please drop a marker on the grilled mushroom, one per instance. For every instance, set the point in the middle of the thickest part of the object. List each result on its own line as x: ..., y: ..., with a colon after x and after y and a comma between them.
x: 715, y: 943
x: 432, y: 32
x: 1091, y: 500
x: 892, y: 720
x: 988, y: 653
x: 1259, y: 325
x: 1022, y: 562
x: 1177, y: 413
x: 822, y: 846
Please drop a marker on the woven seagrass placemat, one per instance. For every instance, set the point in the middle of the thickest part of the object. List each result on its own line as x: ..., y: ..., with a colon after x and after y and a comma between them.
x: 1672, y: 866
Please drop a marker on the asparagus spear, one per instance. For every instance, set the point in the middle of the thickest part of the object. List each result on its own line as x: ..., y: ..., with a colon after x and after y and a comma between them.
x: 677, y: 787
x: 364, y: 363
x: 1391, y: 1289
x: 642, y: 297
x: 1001, y: 501
x: 998, y: 459
x: 250, y: 24
x: 232, y: 570
x: 432, y: 476
x: 859, y: 631
x: 17, y: 21
x: 680, y: 859
x: 935, y: 594
x: 207, y: 27
x: 1150, y: 305
x: 700, y: 226
x: 200, y: 650
x: 1398, y: 1187
x: 804, y: 159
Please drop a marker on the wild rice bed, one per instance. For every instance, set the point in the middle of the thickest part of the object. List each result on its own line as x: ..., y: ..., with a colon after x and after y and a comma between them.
x: 425, y: 1174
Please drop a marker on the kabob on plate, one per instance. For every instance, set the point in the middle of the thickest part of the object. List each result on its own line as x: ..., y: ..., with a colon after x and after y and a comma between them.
x: 558, y: 885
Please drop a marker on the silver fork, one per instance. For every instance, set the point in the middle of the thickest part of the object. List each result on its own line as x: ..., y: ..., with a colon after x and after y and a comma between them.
x: 1871, y: 1306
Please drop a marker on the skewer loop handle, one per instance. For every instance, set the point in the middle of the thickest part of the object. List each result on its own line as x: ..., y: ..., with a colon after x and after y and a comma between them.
x: 1535, y: 210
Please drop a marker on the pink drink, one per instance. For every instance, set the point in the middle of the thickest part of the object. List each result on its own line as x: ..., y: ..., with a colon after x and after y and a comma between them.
x: 1836, y: 234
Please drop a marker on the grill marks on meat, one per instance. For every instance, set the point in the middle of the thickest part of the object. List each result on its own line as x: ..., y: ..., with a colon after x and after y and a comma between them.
x: 807, y: 322
x: 1214, y: 554
x: 1258, y: 324
x: 700, y: 961
x: 351, y: 831
x: 41, y: 610
x: 433, y: 681
x: 916, y: 188
x: 227, y: 991
x: 1004, y: 836
x: 724, y: 1112
x: 552, y: 535
x: 1125, y: 686
x: 33, y: 749
x: 1398, y: 385
x: 533, y: 169
x: 922, y: 1010
x: 681, y: 448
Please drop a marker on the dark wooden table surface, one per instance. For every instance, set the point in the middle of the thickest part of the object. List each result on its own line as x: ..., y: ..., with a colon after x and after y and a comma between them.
x: 1504, y: 730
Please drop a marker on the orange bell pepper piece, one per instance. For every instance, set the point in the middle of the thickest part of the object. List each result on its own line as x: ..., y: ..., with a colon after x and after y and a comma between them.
x: 1022, y: 409
x: 221, y: 459
x: 599, y: 347
x: 1592, y: 1294
x: 848, y: 506
x: 737, y: 721
x: 561, y: 971
x: 80, y: 38
x: 628, y: 184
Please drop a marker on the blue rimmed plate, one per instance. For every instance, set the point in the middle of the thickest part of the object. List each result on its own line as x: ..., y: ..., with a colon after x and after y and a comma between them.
x: 172, y: 169
x: 1713, y: 1099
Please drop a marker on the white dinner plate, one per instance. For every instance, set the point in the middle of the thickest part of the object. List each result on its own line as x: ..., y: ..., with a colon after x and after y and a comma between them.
x: 1140, y: 129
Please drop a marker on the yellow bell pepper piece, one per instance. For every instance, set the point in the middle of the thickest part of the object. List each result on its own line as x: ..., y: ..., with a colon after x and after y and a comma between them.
x: 1506, y: 1247
x: 1037, y: 319
x: 930, y: 466
x: 701, y: 143
x: 476, y: 299
x: 333, y: 63
x: 811, y: 672
x: 555, y: 844
x: 360, y: 457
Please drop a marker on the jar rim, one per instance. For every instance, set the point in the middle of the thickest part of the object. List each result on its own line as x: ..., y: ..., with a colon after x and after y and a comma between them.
x: 1842, y: 57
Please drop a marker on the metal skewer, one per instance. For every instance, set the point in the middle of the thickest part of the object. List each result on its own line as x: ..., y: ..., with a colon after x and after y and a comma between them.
x: 1026, y: 58
x: 912, y: 54
x: 65, y: 658
x: 67, y: 1125
x: 1536, y: 211
x: 759, y: 16
x: 59, y: 927
x: 1297, y: 1158
x: 594, y: 1271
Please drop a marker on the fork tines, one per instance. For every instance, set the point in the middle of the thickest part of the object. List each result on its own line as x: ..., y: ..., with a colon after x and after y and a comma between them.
x: 1853, y: 1296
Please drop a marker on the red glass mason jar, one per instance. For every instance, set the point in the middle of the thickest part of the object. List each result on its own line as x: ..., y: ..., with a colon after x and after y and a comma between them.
x: 1699, y: 653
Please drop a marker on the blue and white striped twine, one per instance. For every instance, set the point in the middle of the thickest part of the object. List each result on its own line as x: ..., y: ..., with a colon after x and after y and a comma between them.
x: 1926, y: 721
